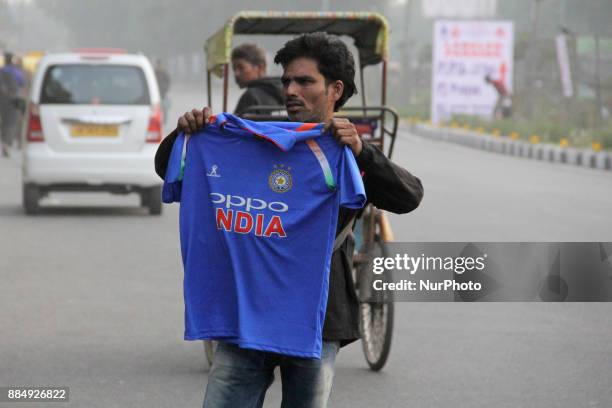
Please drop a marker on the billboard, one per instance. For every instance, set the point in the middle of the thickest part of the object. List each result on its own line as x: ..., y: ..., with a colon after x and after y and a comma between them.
x: 464, y: 53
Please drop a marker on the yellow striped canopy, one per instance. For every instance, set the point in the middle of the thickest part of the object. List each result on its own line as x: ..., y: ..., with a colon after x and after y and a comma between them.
x: 368, y: 30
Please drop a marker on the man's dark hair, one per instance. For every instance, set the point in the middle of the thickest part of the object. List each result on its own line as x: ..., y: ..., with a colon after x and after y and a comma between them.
x: 252, y: 53
x: 334, y: 60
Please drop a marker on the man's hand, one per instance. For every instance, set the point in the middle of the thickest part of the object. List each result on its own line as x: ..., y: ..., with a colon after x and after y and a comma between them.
x: 193, y: 121
x: 346, y: 134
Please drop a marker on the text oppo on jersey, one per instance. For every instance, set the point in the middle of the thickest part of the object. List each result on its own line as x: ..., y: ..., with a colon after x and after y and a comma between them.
x: 243, y: 222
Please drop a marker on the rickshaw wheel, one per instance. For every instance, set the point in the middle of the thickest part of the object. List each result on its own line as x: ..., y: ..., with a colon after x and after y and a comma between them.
x: 376, y: 319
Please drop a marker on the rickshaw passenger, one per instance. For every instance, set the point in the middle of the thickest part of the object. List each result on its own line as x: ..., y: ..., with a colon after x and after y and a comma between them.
x: 318, y: 79
x: 249, y: 65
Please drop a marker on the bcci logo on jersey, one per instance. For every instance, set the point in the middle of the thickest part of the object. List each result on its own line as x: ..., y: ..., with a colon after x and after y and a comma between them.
x: 280, y: 180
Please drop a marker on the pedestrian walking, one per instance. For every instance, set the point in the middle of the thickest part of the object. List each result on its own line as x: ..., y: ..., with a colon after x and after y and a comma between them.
x: 12, y: 80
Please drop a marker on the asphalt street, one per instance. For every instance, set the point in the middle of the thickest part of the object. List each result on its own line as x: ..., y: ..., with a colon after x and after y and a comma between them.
x: 91, y: 295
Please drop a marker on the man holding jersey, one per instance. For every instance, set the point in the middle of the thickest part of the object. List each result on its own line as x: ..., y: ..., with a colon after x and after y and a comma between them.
x: 318, y: 79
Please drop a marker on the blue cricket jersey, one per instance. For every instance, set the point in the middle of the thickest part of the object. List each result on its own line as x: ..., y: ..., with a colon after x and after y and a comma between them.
x: 258, y: 216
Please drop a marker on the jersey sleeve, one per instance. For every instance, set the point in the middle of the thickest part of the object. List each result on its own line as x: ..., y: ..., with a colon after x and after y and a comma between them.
x: 352, y: 191
x: 173, y: 181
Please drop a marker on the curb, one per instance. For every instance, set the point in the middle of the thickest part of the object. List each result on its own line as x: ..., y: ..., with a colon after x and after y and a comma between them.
x: 543, y: 152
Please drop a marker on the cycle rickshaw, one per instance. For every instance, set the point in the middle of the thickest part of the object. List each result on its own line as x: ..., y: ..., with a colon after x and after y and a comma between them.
x: 375, y: 123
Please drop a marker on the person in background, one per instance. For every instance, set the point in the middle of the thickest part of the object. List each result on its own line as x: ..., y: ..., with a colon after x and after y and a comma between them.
x: 163, y: 81
x: 12, y: 81
x: 503, y: 106
x: 21, y: 99
x: 249, y: 65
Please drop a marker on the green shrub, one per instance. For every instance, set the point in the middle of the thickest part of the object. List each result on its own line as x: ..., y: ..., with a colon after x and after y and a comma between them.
x: 550, y: 131
x: 605, y: 137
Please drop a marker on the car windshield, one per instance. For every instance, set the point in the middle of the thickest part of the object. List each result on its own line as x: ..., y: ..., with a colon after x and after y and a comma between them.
x: 95, y: 84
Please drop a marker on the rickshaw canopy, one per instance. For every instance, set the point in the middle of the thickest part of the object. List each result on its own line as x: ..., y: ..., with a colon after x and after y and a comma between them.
x: 368, y: 30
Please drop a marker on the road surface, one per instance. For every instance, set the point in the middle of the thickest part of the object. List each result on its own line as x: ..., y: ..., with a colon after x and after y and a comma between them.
x: 91, y: 296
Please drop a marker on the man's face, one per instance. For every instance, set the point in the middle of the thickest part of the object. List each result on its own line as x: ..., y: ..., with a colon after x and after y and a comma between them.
x: 245, y: 72
x: 307, y: 97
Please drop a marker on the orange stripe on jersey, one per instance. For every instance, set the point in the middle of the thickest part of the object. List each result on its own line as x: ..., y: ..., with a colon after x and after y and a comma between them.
x: 306, y: 126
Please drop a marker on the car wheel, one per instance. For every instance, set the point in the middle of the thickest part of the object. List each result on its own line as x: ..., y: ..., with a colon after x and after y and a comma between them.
x: 153, y: 200
x: 31, y: 197
x: 144, y: 198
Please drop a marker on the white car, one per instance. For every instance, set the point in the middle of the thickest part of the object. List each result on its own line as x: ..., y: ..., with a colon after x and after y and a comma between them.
x: 94, y: 124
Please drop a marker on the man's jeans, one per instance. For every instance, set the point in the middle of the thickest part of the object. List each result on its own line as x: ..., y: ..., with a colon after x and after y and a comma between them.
x: 240, y: 377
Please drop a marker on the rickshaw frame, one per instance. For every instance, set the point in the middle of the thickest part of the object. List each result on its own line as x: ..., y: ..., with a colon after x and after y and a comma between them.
x: 369, y: 32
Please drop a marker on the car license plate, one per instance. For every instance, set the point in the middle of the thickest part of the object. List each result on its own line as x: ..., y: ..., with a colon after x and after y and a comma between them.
x: 94, y: 130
